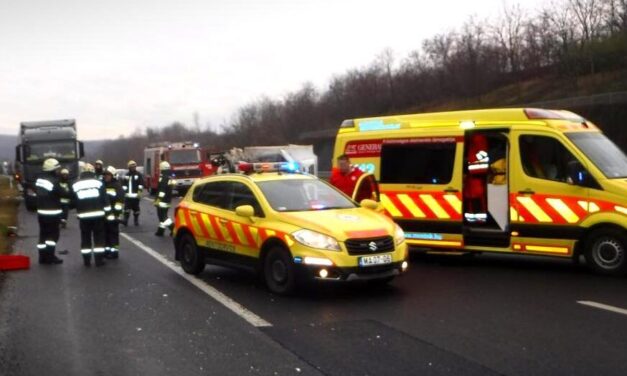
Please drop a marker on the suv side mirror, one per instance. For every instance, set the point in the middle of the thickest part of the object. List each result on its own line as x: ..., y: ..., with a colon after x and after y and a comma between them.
x: 369, y: 204
x: 246, y: 211
x: 81, y: 149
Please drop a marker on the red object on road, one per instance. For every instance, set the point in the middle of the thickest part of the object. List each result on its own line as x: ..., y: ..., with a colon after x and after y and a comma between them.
x: 14, y: 262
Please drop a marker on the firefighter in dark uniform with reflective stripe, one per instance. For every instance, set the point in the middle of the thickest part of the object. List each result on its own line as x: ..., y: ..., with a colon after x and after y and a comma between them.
x: 133, y: 186
x: 164, y: 198
x: 112, y: 224
x: 92, y: 206
x: 99, y: 169
x: 66, y: 187
x: 49, y: 211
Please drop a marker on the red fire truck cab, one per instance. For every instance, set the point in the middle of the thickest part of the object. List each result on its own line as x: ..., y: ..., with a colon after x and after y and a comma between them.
x: 187, y: 160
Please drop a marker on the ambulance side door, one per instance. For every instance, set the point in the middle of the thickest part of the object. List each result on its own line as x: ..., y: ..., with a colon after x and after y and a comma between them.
x: 420, y: 187
x: 546, y: 204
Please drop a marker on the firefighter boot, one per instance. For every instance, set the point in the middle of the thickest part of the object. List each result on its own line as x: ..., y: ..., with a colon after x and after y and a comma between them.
x: 44, y: 257
x: 99, y: 258
x: 53, y: 259
x: 171, y: 228
x: 87, y: 260
x: 160, y: 231
x: 115, y: 253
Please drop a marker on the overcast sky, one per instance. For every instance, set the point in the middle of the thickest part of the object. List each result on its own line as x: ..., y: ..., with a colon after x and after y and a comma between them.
x: 118, y: 65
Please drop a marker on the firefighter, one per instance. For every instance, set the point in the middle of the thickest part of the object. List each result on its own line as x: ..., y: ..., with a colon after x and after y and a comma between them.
x: 49, y: 211
x: 92, y: 206
x: 133, y: 187
x: 99, y: 169
x: 116, y: 200
x: 66, y: 188
x: 164, y: 198
x: 344, y: 177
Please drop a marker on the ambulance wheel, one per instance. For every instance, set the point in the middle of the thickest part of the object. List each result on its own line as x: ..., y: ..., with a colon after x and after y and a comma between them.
x: 606, y: 251
x: 192, y: 260
x: 278, y: 271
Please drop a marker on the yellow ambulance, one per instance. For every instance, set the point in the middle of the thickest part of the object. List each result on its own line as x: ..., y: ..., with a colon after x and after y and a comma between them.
x: 525, y: 181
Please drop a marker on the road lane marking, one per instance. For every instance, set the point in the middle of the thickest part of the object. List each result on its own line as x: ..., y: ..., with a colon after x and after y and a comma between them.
x: 229, y: 303
x: 603, y: 306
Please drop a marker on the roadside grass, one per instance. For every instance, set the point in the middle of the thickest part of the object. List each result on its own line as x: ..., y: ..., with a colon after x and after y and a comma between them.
x: 8, y: 213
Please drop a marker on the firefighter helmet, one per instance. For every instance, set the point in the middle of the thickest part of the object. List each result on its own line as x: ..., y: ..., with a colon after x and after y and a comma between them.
x: 110, y: 170
x: 164, y: 165
x: 65, y: 171
x: 131, y: 163
x: 100, y: 162
x: 51, y: 164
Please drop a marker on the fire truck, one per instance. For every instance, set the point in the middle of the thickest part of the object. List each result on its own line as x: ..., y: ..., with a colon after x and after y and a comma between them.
x: 187, y: 159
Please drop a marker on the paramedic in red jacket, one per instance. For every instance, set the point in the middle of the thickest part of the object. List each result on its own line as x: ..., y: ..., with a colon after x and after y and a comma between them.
x: 344, y: 177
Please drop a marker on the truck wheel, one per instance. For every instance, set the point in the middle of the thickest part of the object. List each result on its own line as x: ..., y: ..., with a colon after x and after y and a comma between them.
x: 192, y: 258
x: 606, y: 252
x: 278, y: 271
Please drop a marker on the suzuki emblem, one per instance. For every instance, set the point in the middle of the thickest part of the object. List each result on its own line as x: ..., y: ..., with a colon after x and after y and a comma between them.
x: 372, y: 246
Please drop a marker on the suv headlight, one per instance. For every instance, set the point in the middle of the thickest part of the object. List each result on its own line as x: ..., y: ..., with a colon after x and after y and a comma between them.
x: 399, y: 235
x: 316, y: 240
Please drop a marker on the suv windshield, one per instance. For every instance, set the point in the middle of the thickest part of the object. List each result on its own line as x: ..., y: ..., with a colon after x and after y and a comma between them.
x: 602, y: 152
x: 50, y: 149
x: 184, y: 156
x: 303, y: 195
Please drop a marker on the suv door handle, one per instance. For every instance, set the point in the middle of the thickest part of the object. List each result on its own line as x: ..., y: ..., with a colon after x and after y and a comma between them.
x: 527, y: 191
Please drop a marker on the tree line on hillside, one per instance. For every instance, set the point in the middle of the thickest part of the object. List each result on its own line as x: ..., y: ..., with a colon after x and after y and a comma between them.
x: 564, y: 39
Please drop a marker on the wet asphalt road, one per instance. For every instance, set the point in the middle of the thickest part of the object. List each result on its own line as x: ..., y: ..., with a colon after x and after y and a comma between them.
x: 447, y: 315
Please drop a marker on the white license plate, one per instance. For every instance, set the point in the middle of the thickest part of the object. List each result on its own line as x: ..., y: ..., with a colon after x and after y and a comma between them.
x: 375, y: 260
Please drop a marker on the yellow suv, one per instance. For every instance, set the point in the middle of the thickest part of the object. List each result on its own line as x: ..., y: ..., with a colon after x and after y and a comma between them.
x: 288, y: 226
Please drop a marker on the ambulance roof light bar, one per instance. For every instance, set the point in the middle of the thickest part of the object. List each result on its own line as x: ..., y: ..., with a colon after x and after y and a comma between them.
x: 259, y: 167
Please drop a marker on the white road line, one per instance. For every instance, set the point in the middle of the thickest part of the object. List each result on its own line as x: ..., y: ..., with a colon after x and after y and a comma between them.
x: 603, y: 306
x: 229, y: 303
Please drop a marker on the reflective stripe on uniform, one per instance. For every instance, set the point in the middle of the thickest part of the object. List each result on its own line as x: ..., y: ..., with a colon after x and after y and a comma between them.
x: 161, y: 194
x: 86, y: 251
x: 41, y: 246
x: 99, y: 250
x: 49, y: 212
x: 45, y: 184
x: 51, y: 243
x: 164, y: 205
x: 65, y: 200
x: 93, y: 214
x: 131, y: 195
x: 118, y: 206
x: 87, y: 184
x: 107, y: 208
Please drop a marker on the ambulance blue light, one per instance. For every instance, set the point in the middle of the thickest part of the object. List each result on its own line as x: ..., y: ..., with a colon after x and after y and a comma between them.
x: 290, y: 167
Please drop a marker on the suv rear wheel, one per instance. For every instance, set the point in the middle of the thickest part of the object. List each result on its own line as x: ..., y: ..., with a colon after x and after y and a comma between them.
x: 192, y: 258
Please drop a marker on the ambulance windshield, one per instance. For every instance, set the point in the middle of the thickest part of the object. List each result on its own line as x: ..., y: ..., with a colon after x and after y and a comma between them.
x: 602, y: 152
x: 303, y: 195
